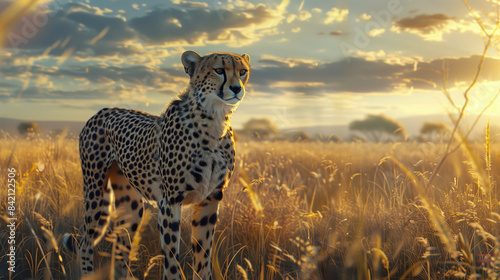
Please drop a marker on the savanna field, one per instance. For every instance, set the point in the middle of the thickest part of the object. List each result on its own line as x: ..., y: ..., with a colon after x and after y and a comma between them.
x: 293, y: 210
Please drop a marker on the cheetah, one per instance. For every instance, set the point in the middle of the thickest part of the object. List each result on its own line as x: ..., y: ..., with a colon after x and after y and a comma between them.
x: 183, y: 156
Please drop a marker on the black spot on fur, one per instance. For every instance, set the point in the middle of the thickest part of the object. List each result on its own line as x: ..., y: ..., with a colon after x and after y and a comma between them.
x: 197, y: 176
x: 166, y: 238
x: 213, y: 219
x: 204, y: 221
x: 174, y: 226
x: 134, y: 205
x: 218, y: 195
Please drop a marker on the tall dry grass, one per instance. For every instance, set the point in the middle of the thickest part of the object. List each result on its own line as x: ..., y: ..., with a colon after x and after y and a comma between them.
x: 292, y: 211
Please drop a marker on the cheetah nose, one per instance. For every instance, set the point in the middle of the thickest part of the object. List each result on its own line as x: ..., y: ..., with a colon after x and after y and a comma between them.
x: 235, y: 89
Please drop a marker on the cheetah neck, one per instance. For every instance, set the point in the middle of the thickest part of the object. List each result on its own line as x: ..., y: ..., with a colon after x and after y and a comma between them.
x: 213, y: 123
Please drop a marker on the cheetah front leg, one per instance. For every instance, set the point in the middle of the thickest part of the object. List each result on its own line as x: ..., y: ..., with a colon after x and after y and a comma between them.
x: 204, y: 219
x: 169, y: 218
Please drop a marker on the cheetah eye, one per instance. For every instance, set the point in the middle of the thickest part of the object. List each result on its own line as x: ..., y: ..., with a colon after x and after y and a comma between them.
x: 219, y: 71
x: 243, y: 72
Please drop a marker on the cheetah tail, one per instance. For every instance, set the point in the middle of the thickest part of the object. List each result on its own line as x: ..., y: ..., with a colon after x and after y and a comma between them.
x: 105, y: 218
x: 70, y: 242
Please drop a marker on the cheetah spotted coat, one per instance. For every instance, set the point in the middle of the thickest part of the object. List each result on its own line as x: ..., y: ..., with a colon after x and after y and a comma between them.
x: 185, y: 155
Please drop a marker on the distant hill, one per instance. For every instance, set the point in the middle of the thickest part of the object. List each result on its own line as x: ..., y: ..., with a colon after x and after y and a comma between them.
x: 412, y: 125
x: 72, y: 127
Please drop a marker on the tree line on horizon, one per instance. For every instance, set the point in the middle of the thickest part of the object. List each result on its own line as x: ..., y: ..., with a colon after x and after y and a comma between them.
x: 373, y: 128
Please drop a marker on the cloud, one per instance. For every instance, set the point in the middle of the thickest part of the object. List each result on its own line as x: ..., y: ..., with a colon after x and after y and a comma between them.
x: 394, y: 58
x: 376, y: 32
x: 301, y: 88
x: 105, y: 74
x: 424, y: 22
x: 82, y: 7
x: 369, y: 72
x: 290, y: 18
x: 98, y: 74
x: 74, y: 26
x: 302, y: 16
x: 459, y: 72
x: 196, y: 25
x: 431, y: 27
x: 364, y: 73
x: 336, y: 15
x: 112, y: 57
x: 81, y: 30
x: 270, y: 60
x: 364, y: 17
x: 190, y: 4
x: 315, y: 78
x: 88, y: 82
x: 37, y: 93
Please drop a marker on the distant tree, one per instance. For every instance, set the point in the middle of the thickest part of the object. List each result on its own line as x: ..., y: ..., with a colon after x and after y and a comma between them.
x: 379, y: 128
x: 334, y: 138
x: 298, y: 136
x: 26, y: 128
x: 434, y: 131
x: 356, y: 138
x: 260, y: 128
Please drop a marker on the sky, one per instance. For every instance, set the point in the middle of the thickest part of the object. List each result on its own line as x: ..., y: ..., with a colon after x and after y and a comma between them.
x: 313, y: 63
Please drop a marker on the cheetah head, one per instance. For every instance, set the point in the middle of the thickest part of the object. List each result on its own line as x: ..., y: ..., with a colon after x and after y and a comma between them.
x: 217, y: 80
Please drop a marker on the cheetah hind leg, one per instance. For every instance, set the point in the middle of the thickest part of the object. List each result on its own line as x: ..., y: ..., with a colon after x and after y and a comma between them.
x: 99, y: 203
x: 129, y: 210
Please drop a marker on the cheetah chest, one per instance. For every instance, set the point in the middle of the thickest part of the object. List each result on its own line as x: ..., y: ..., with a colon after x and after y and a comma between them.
x: 206, y: 175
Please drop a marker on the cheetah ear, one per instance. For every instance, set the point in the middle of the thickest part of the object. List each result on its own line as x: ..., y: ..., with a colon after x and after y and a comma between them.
x: 246, y: 57
x: 189, y: 60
